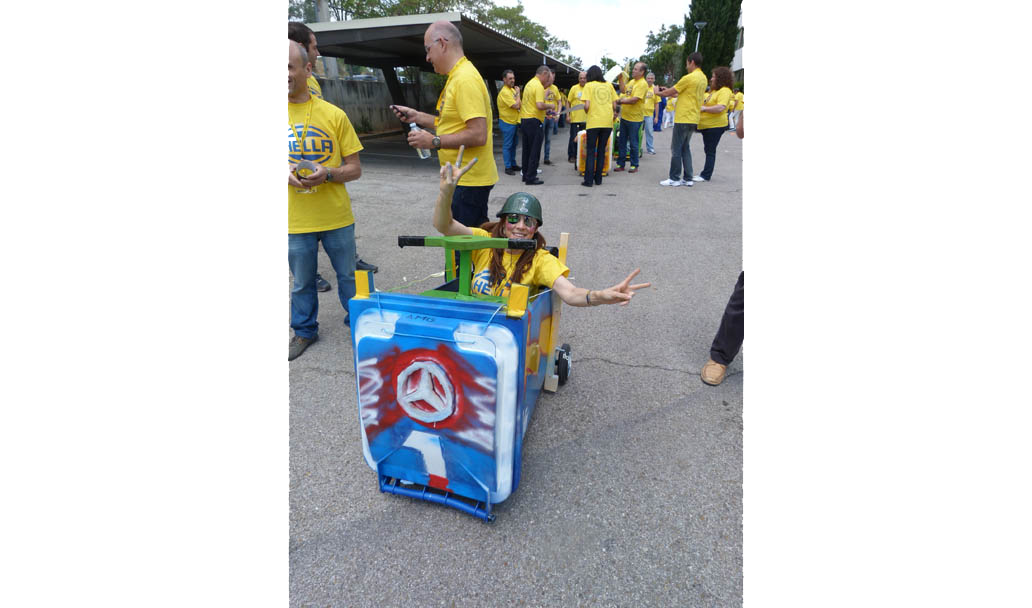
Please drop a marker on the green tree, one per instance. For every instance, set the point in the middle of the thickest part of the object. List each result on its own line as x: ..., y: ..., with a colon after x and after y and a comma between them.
x: 605, y: 63
x: 340, y: 10
x: 663, y: 52
x: 717, y: 42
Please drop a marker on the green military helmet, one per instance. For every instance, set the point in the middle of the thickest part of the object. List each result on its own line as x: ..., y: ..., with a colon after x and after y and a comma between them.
x: 524, y: 204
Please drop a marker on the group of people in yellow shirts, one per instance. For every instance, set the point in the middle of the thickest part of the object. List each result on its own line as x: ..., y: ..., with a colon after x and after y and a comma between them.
x: 596, y: 107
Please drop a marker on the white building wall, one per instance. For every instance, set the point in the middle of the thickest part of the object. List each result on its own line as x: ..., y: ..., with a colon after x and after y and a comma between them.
x: 736, y: 63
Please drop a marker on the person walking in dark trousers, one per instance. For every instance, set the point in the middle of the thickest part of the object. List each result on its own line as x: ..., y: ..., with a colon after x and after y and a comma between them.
x: 599, y: 102
x: 730, y: 335
x: 532, y: 120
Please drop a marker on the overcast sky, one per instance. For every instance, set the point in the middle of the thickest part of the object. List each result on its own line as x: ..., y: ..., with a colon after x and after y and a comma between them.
x: 618, y: 28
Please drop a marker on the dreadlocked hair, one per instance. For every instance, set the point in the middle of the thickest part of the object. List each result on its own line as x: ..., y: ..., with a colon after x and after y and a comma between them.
x: 496, y: 269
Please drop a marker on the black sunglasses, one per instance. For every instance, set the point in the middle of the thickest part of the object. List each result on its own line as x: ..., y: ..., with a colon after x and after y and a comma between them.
x: 529, y: 222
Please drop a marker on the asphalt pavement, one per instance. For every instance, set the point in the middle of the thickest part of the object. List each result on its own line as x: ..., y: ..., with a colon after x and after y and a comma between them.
x: 631, y: 488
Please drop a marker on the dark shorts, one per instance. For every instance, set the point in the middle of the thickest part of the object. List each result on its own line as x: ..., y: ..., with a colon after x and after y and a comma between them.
x: 469, y: 205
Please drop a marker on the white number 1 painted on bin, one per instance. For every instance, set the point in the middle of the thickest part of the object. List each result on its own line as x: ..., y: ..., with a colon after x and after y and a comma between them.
x: 430, y: 447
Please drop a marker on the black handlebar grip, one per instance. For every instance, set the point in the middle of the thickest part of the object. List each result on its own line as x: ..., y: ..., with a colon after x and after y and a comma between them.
x: 522, y: 244
x: 416, y: 241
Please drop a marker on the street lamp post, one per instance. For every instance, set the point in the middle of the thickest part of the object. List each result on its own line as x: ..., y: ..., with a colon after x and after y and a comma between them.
x: 698, y: 25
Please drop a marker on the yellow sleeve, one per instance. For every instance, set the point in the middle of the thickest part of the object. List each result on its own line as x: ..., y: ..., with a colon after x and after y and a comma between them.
x: 468, y: 101
x: 724, y: 97
x: 641, y: 89
x: 546, y: 269
x: 682, y: 85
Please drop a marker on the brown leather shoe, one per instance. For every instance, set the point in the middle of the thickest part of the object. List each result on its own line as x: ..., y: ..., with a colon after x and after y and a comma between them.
x: 713, y: 373
x: 298, y: 346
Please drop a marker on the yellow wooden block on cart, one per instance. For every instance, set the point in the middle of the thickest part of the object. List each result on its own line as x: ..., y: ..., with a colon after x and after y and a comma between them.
x: 362, y: 284
x: 582, y: 139
x: 518, y: 295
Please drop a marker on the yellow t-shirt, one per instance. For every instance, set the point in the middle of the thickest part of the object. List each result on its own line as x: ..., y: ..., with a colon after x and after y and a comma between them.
x: 633, y: 112
x: 507, y: 113
x: 543, y: 271
x: 708, y: 120
x: 328, y: 139
x: 556, y: 97
x: 533, y: 93
x: 690, y: 90
x: 465, y: 97
x: 650, y: 101
x: 739, y: 101
x: 313, y: 87
x: 575, y: 98
x: 601, y: 95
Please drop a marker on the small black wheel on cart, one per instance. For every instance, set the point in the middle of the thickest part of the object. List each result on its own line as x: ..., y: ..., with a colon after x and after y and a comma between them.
x: 563, y: 363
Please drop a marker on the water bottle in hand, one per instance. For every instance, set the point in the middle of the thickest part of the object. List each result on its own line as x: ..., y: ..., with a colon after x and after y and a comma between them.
x: 423, y: 152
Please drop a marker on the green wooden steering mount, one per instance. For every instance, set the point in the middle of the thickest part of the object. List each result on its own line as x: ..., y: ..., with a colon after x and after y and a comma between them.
x: 464, y: 244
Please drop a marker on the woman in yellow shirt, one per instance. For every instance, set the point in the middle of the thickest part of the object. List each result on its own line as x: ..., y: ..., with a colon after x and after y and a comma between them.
x: 713, y: 120
x: 599, y: 97
x: 495, y: 270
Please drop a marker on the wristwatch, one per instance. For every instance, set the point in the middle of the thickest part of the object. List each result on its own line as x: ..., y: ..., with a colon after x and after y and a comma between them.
x: 436, y: 142
x: 329, y: 175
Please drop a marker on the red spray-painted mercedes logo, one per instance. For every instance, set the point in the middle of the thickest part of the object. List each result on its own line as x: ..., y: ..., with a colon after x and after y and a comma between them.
x: 425, y: 392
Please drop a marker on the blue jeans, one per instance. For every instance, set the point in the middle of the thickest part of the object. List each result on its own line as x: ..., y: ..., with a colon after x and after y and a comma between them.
x: 302, y: 255
x: 681, y: 155
x: 649, y: 144
x: 510, y: 138
x: 629, y: 136
x: 549, y: 128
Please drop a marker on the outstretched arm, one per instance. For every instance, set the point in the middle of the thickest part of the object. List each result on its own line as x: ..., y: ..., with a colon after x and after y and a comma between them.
x: 443, y: 220
x: 621, y: 293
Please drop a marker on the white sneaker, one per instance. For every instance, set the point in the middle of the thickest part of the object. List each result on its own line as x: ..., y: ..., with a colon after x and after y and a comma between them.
x: 670, y: 182
x: 699, y: 178
x: 539, y: 170
x: 684, y: 183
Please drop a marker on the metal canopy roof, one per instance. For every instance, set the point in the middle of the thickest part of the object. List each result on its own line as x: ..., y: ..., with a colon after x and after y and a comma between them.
x: 390, y: 42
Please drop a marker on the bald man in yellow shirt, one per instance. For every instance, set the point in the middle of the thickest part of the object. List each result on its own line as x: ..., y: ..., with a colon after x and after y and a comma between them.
x: 631, y: 117
x: 464, y: 118
x: 322, y: 154
x: 303, y: 35
x: 532, y: 120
